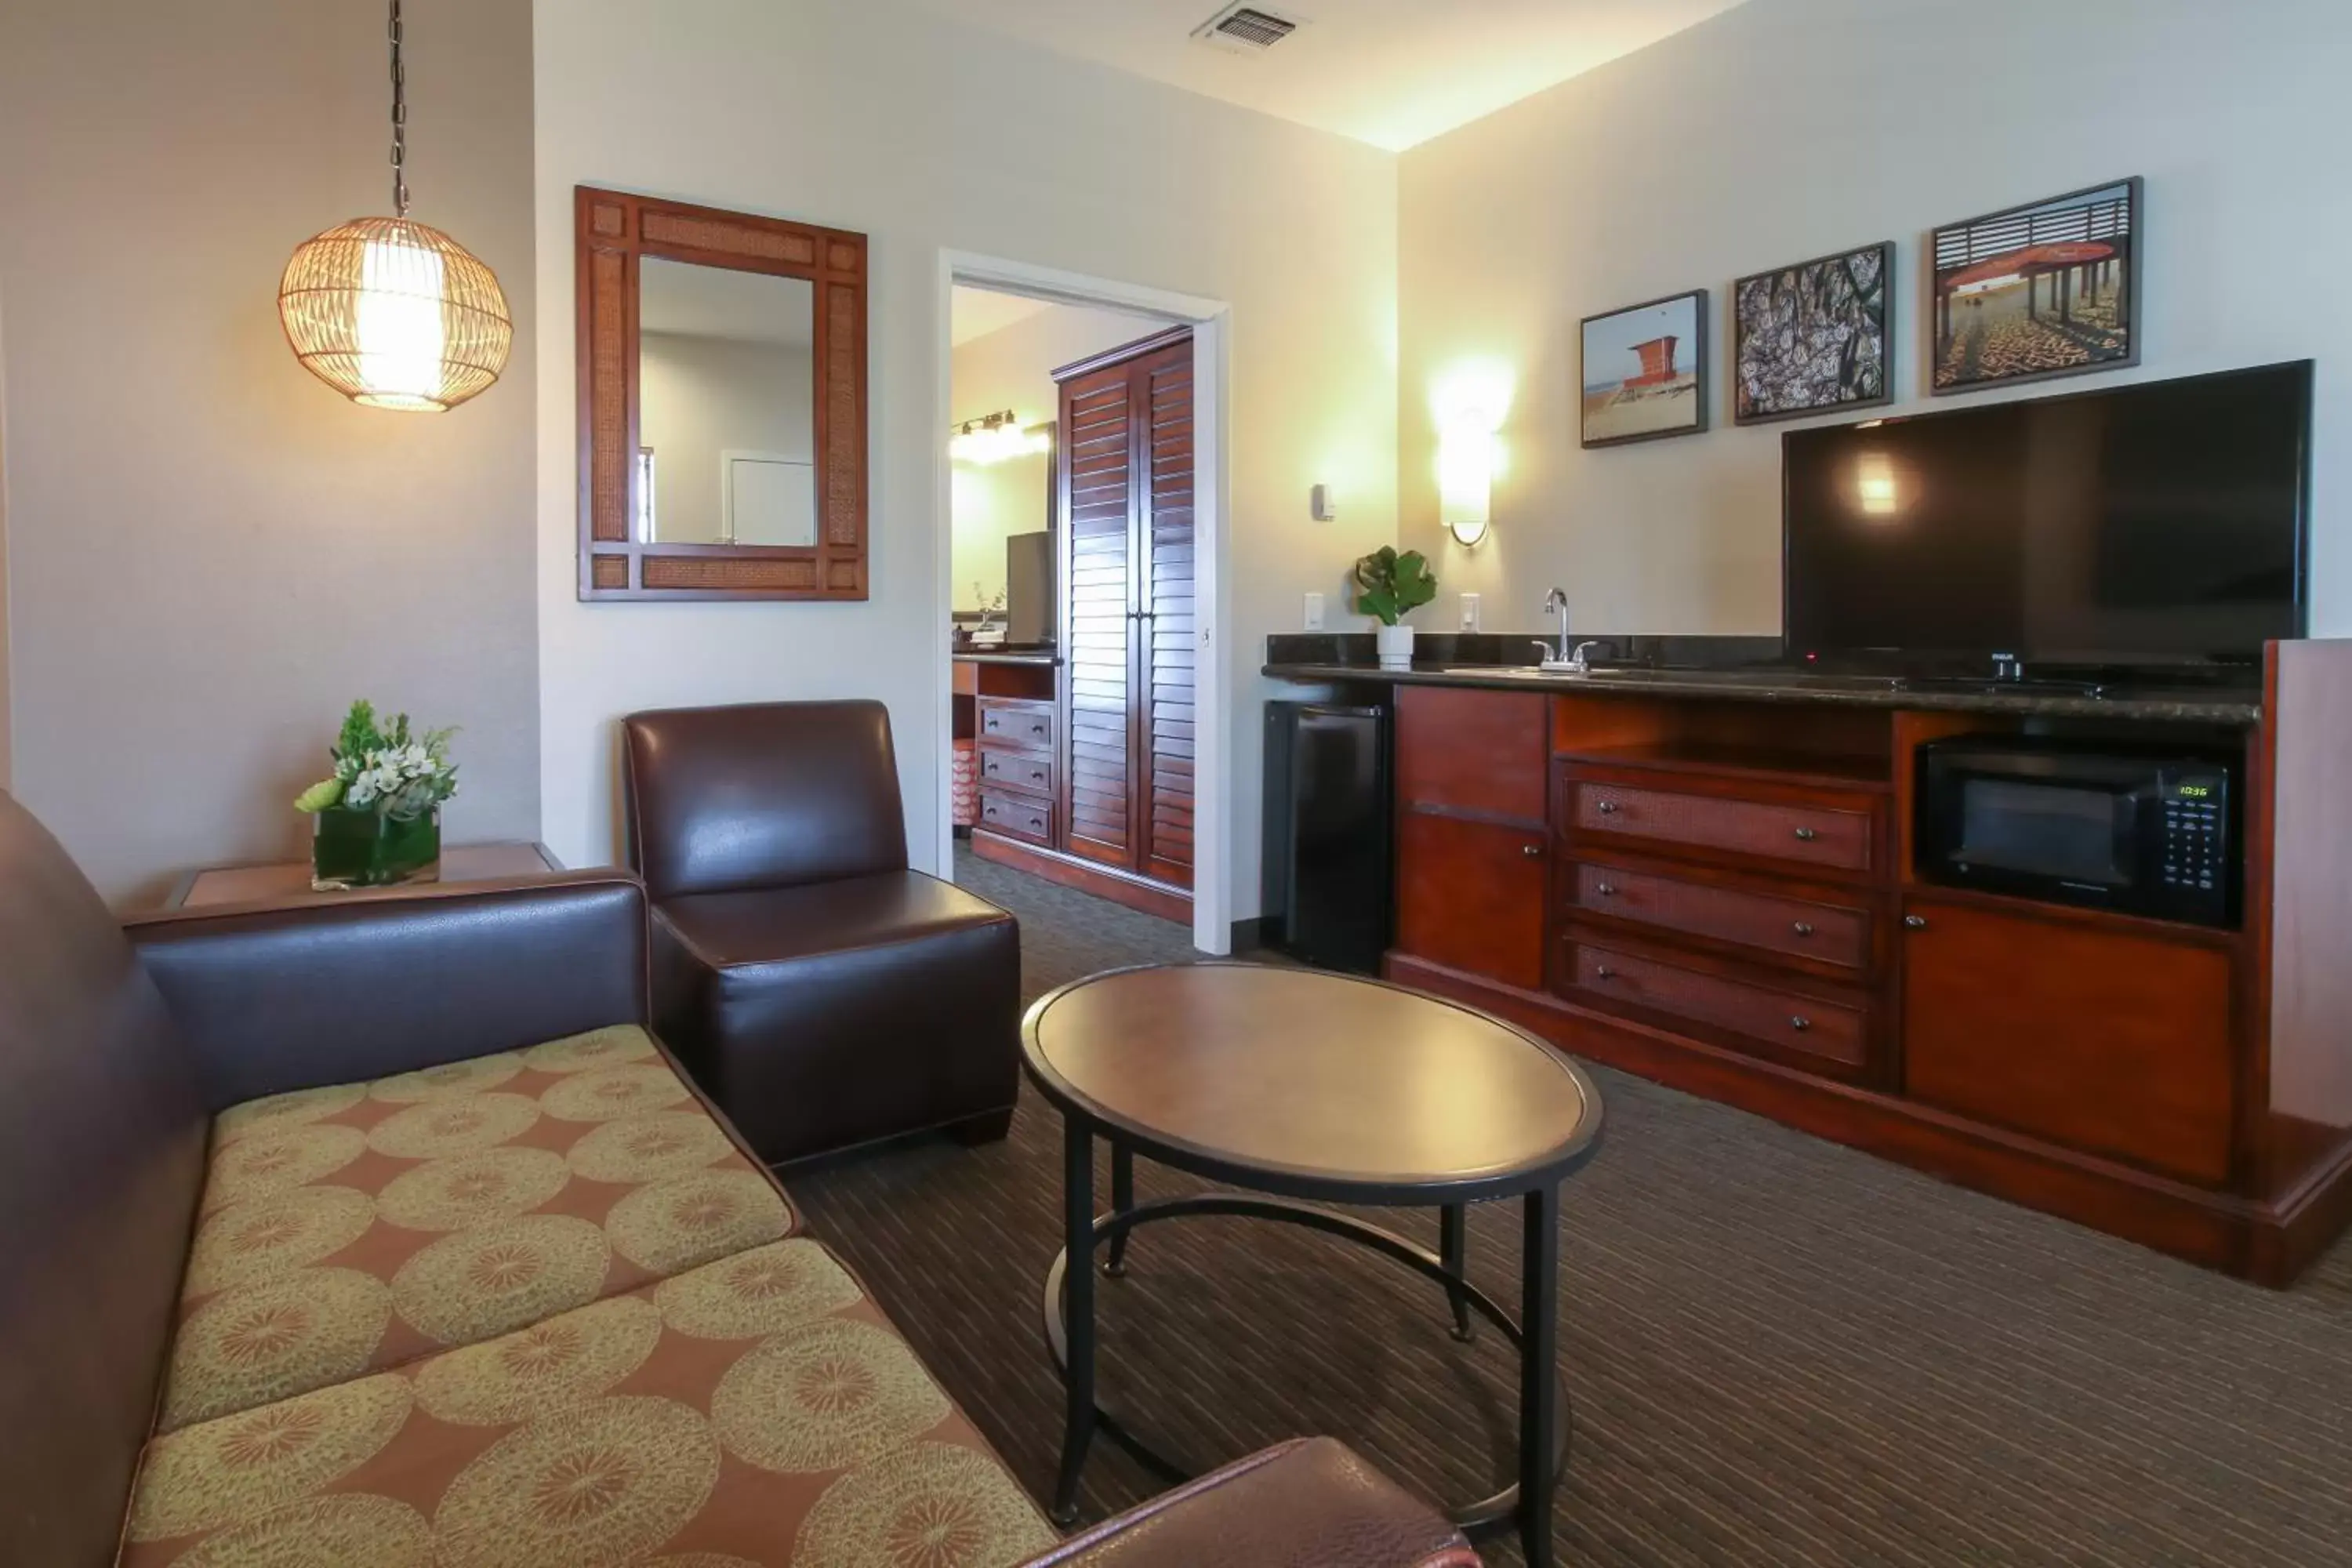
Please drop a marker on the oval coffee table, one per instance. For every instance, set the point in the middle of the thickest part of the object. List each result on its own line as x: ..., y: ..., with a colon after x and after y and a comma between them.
x: 1313, y: 1088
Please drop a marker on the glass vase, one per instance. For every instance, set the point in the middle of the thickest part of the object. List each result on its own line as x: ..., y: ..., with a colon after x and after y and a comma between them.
x: 364, y: 849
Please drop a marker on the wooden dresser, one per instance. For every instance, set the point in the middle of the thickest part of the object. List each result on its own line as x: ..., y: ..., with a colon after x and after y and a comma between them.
x: 1719, y: 893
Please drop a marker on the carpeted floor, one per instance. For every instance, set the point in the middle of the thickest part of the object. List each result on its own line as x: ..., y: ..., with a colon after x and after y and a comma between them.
x: 1780, y: 1350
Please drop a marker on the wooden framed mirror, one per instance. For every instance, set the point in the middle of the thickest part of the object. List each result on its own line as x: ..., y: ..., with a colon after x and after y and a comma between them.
x: 722, y: 404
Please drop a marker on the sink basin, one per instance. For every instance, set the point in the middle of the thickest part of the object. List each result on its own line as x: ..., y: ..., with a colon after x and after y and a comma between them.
x: 1530, y: 672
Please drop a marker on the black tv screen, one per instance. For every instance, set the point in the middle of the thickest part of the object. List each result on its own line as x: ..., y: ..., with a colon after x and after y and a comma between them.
x: 2161, y: 522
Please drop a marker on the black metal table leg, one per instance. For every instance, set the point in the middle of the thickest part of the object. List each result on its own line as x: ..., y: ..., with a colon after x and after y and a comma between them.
x: 1453, y: 1251
x: 1539, y: 1376
x: 1122, y: 1198
x: 1078, y: 1311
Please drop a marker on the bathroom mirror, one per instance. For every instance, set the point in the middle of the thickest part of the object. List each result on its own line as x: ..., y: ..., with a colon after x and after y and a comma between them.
x: 722, y: 409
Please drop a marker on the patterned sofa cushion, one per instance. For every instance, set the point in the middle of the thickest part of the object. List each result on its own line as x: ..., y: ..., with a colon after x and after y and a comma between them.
x: 759, y: 1410
x: 349, y: 1229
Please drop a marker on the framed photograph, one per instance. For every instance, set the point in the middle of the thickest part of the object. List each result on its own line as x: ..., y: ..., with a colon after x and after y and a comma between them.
x: 2047, y: 290
x: 1643, y: 370
x: 1813, y: 337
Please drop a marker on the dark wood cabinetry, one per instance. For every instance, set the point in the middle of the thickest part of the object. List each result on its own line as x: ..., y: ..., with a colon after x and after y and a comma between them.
x: 1718, y: 894
x: 2100, y: 1038
x: 1095, y: 790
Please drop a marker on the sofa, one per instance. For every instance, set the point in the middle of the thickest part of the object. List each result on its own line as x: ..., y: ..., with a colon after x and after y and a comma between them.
x: 382, y: 1231
x: 825, y: 993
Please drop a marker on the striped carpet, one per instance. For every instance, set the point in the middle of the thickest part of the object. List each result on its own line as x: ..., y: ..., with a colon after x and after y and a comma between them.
x: 1780, y: 1350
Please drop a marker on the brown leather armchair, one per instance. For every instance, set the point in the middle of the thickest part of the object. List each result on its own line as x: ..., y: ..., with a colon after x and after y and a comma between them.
x: 824, y: 994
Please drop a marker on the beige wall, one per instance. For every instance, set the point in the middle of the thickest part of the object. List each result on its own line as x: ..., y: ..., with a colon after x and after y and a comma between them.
x: 1013, y: 368
x: 210, y: 552
x: 986, y: 146
x: 1789, y: 128
x: 5, y: 778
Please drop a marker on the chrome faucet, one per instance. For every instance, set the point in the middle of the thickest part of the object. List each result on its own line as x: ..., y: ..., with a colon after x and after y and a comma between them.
x: 1561, y: 657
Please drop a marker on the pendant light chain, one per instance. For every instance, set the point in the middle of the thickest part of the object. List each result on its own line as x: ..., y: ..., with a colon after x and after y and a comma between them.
x: 399, y: 121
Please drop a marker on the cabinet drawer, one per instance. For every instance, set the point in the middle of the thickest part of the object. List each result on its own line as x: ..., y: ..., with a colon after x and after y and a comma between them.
x: 1806, y: 1024
x: 1010, y: 723
x: 1016, y: 815
x: 1799, y: 928
x: 1841, y: 837
x: 1024, y: 771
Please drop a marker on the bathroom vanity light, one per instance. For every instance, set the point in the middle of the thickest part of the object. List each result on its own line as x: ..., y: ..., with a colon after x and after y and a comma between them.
x: 994, y: 439
x: 390, y: 313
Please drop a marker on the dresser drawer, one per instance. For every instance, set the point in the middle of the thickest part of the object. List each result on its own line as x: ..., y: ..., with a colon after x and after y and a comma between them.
x: 1028, y: 772
x: 1841, y: 837
x: 1016, y: 816
x: 1803, y: 1024
x: 1006, y: 722
x: 1798, y: 928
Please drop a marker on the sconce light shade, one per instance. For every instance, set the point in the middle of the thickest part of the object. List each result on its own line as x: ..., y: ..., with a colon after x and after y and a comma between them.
x: 394, y: 315
x: 1466, y: 482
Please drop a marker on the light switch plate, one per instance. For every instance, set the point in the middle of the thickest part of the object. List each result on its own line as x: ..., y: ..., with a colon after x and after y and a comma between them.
x: 1313, y: 619
x: 1469, y: 612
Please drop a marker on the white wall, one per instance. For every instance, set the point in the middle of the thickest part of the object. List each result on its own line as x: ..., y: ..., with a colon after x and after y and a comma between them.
x: 853, y: 116
x: 702, y: 396
x: 1786, y: 129
x: 1013, y: 368
x: 210, y: 551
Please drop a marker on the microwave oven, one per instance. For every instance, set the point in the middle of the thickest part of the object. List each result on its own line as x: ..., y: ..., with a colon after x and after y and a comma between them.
x: 2139, y: 831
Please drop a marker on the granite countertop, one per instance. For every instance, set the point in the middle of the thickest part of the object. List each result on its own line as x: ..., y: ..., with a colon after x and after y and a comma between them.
x: 2147, y: 704
x: 1042, y: 659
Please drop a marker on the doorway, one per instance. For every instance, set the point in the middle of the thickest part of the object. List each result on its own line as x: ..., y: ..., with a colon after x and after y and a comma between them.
x: 1081, y: 491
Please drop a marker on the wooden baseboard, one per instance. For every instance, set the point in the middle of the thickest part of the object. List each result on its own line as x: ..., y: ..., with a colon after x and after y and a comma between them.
x: 1136, y: 892
x: 2267, y: 1243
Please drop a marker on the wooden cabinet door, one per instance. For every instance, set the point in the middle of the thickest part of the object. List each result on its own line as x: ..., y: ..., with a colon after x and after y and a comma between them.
x: 1470, y: 896
x: 1097, y: 469
x: 1126, y: 497
x: 1162, y: 417
x: 2103, y: 1037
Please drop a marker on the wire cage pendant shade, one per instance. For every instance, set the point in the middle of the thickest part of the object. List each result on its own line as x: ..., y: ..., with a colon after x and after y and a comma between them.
x: 391, y: 313
x: 394, y: 314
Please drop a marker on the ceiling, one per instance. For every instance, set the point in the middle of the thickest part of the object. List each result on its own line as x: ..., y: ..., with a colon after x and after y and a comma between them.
x: 687, y: 301
x: 1390, y: 73
x: 976, y: 312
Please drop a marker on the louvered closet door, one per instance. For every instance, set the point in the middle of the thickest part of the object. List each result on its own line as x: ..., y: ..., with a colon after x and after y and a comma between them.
x: 1098, y: 497
x: 1170, y: 640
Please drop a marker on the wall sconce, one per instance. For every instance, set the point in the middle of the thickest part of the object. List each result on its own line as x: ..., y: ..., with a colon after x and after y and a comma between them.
x: 1465, y: 481
x: 995, y: 438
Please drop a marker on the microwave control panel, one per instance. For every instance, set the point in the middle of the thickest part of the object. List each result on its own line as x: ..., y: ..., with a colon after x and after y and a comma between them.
x: 2196, y: 831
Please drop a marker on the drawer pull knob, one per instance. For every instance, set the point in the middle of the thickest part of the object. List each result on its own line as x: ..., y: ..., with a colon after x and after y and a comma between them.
x: 1802, y: 928
x: 1531, y: 850
x: 1806, y: 835
x: 1915, y: 922
x: 1606, y: 890
x: 1800, y: 1023
x: 1602, y: 971
x: 1607, y: 808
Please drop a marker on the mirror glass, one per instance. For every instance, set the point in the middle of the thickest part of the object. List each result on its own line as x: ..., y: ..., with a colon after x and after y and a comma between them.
x: 726, y: 421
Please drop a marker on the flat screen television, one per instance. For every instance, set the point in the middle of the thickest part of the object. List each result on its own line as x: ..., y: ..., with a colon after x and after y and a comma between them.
x: 2161, y: 523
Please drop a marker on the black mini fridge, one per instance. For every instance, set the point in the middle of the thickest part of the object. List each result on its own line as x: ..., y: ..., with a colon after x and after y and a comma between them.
x: 1325, y: 888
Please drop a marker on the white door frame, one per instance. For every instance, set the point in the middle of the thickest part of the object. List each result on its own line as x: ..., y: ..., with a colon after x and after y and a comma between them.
x: 1213, y: 859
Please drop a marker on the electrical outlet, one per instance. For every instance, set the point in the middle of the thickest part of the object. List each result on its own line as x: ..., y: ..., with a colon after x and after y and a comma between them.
x: 1469, y: 612
x: 1313, y: 620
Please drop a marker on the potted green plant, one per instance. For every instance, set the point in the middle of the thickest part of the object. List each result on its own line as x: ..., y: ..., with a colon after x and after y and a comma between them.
x: 379, y: 813
x: 1388, y: 585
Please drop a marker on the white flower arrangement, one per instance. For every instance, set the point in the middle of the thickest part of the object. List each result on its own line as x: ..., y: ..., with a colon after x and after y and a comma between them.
x: 388, y: 773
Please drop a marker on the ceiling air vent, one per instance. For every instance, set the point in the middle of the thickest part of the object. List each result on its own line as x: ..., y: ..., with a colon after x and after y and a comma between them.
x: 1246, y: 29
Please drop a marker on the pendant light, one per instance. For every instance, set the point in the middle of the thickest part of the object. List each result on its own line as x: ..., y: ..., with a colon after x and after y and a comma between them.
x: 390, y: 313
